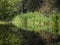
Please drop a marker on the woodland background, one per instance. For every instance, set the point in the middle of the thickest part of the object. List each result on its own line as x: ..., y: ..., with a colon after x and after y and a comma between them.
x: 12, y: 34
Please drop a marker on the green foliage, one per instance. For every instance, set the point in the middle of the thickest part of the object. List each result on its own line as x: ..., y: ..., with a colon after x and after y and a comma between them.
x: 27, y: 24
x: 5, y: 10
x: 9, y: 37
x: 34, y: 21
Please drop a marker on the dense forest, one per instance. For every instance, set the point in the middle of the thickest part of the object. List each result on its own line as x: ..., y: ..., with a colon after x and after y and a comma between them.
x: 29, y: 22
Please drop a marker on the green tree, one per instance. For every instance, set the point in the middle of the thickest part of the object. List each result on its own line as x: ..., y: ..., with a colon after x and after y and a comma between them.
x: 5, y: 10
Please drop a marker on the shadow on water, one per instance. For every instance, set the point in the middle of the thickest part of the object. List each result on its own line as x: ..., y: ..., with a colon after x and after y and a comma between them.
x: 10, y: 35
